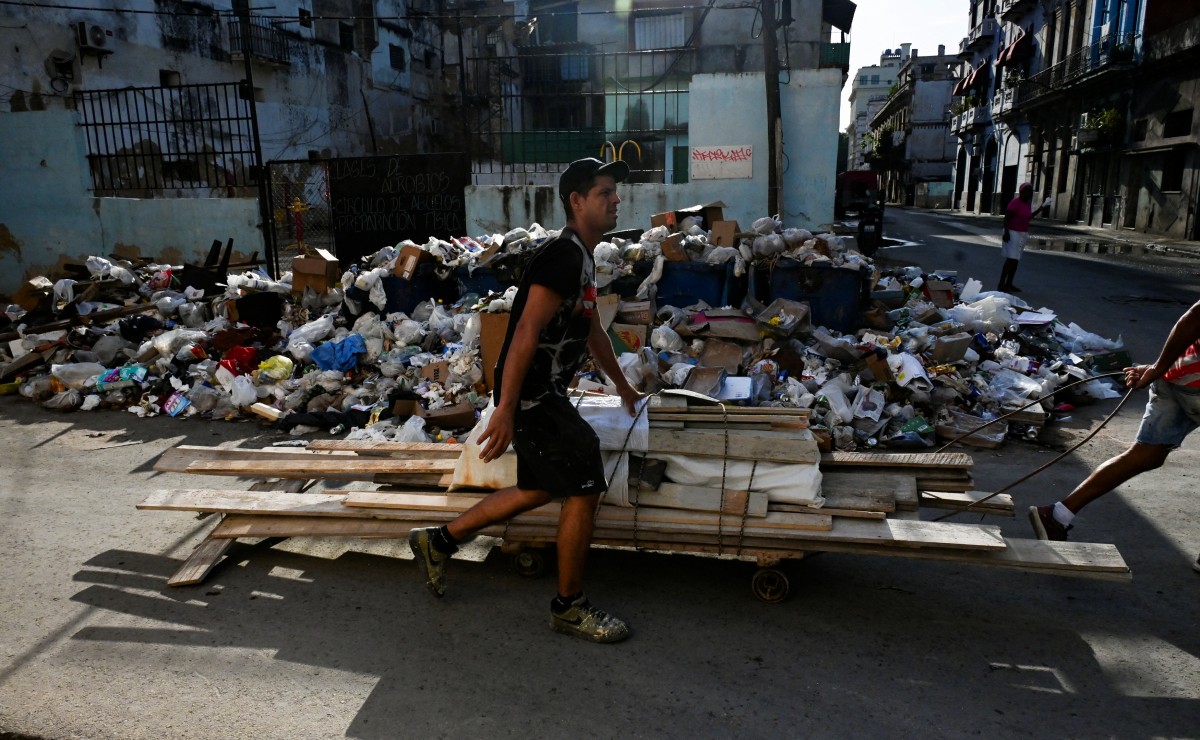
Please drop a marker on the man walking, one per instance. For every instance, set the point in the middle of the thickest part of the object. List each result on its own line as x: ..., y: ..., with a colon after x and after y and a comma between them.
x: 1016, y: 234
x: 1172, y: 413
x: 553, y: 327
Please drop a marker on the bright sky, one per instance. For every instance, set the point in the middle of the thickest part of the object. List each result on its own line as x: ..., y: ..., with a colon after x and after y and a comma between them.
x: 885, y: 24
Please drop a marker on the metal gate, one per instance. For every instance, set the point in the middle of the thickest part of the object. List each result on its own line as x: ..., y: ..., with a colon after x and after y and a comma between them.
x: 299, y: 208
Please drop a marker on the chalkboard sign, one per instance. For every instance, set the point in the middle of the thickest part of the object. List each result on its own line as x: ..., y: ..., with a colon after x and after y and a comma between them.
x: 376, y: 202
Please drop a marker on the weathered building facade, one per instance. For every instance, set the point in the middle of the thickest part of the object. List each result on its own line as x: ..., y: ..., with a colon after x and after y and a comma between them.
x: 868, y: 92
x: 910, y: 134
x: 1090, y: 100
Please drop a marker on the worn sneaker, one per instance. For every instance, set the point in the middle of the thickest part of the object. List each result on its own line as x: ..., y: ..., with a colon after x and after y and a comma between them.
x: 1045, y: 526
x: 1196, y: 565
x: 586, y: 621
x: 431, y: 562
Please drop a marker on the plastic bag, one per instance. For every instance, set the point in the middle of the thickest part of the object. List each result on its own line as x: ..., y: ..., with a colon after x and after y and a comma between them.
x: 76, y: 374
x: 412, y: 430
x: 68, y: 400
x: 665, y: 338
x: 442, y: 322
x: 278, y: 367
x: 243, y: 392
x: 300, y: 341
x: 764, y: 225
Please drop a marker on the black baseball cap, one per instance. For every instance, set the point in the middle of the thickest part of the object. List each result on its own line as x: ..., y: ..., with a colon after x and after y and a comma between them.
x: 579, y: 174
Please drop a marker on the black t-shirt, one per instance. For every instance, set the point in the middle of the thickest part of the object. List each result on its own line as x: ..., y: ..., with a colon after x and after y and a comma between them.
x: 564, y: 266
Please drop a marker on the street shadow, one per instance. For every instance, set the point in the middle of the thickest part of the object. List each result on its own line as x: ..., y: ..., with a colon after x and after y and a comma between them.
x: 865, y: 644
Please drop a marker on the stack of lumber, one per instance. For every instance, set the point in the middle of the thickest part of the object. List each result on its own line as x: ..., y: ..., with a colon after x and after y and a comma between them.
x: 871, y: 507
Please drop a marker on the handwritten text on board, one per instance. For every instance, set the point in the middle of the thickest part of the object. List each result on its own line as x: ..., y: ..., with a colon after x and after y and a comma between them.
x: 722, y: 162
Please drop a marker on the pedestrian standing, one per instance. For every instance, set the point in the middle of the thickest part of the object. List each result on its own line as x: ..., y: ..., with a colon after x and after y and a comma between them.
x: 1172, y: 413
x: 1016, y: 234
x: 553, y: 328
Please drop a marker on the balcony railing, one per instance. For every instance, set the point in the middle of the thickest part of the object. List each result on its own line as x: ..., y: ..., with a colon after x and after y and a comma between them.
x: 972, y: 118
x: 1005, y: 101
x: 835, y: 56
x: 266, y: 42
x: 1111, y: 52
x: 981, y: 34
x: 1014, y: 10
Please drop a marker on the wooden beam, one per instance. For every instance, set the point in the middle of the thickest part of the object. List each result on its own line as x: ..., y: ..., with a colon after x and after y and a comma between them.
x: 320, y: 467
x: 1001, y: 504
x: 416, y: 450
x: 954, y: 460
x: 260, y: 525
x: 177, y: 459
x: 796, y: 447
x: 200, y: 563
x: 676, y: 496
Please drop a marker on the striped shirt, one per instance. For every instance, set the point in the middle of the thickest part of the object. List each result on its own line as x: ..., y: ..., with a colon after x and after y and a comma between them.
x: 1186, y: 370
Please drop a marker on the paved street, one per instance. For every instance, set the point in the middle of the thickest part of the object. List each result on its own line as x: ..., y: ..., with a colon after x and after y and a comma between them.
x: 297, y: 641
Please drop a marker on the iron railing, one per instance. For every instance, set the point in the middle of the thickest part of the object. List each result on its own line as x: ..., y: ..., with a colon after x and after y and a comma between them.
x: 835, y: 55
x: 1114, y: 51
x: 267, y: 41
x: 155, y: 138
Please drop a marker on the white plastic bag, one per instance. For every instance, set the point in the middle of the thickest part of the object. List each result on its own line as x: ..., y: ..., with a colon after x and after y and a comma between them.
x: 243, y: 392
x: 665, y: 338
x: 412, y: 430
x: 300, y: 341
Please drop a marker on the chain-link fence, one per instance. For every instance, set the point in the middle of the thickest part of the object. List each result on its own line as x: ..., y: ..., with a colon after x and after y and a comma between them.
x: 300, y: 212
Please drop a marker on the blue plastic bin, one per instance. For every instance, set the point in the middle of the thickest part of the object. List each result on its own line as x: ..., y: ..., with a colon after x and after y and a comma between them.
x: 833, y: 294
x: 404, y: 295
x: 480, y: 282
x: 684, y: 283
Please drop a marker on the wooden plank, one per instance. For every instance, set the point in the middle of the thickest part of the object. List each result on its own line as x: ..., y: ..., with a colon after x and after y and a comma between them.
x: 861, y: 491
x: 418, y: 450
x: 200, y: 563
x: 675, y: 404
x: 419, y: 480
x: 177, y: 459
x: 246, y: 502
x: 1001, y: 504
x: 675, y: 496
x: 259, y: 525
x: 797, y: 447
x: 953, y: 460
x: 764, y: 419
x: 423, y: 450
x: 320, y: 467
x: 611, y: 515
x: 798, y: 509
x: 906, y: 494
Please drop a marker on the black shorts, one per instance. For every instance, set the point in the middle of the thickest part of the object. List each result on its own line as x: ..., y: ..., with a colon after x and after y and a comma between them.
x: 557, y: 451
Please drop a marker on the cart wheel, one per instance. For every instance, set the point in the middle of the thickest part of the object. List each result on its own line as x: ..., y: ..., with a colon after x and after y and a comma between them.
x: 530, y: 563
x: 770, y: 585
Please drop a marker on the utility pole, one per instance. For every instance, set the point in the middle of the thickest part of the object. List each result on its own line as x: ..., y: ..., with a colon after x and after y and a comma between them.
x: 774, y: 123
x: 264, y: 204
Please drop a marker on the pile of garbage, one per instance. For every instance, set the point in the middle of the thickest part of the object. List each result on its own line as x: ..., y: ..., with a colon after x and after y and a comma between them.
x: 400, y: 345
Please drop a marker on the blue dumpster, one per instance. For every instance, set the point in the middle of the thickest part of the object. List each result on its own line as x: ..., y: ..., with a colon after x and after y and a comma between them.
x: 833, y: 294
x: 684, y: 283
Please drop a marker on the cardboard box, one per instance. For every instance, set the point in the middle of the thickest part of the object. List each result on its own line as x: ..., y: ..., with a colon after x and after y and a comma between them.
x: 940, y: 292
x: 320, y: 272
x: 492, y: 330
x: 436, y: 372
x: 627, y: 337
x: 725, y: 233
x: 636, y: 312
x: 409, y: 259
x: 606, y: 307
x: 405, y: 407
x: 458, y: 416
x: 672, y: 248
x: 727, y: 323
x: 710, y: 213
x: 951, y: 348
x: 725, y: 355
x: 783, y: 318
x: 33, y: 292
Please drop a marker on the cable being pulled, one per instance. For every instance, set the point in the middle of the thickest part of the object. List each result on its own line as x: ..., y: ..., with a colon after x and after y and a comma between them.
x: 1074, y: 447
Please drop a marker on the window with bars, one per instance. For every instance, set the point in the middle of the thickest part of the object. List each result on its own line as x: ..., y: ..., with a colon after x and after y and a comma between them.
x: 659, y: 31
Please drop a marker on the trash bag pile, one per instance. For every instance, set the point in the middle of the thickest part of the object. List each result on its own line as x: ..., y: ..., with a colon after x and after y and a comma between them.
x: 400, y: 345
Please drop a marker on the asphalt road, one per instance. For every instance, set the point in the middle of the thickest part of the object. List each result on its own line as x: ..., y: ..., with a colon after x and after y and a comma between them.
x: 319, y: 643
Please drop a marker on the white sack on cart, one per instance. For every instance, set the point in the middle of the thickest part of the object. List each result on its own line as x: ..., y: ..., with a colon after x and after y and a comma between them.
x: 782, y: 482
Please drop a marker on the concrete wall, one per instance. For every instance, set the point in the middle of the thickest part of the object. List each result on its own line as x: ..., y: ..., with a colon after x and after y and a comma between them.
x: 810, y: 114
x: 48, y: 216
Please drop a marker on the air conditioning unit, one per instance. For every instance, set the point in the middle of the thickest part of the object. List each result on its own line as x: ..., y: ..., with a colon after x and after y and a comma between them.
x: 92, y: 38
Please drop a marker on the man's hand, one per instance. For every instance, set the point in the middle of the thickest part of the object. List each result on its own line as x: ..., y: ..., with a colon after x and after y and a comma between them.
x: 498, y: 435
x: 1140, y: 376
x: 631, y: 396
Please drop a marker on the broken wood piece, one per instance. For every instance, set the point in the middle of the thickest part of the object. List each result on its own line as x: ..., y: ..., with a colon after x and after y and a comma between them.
x: 320, y: 467
x: 797, y: 447
x: 267, y: 412
x: 200, y: 563
x: 422, y: 450
x: 1001, y: 504
x: 178, y: 458
x: 952, y: 460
